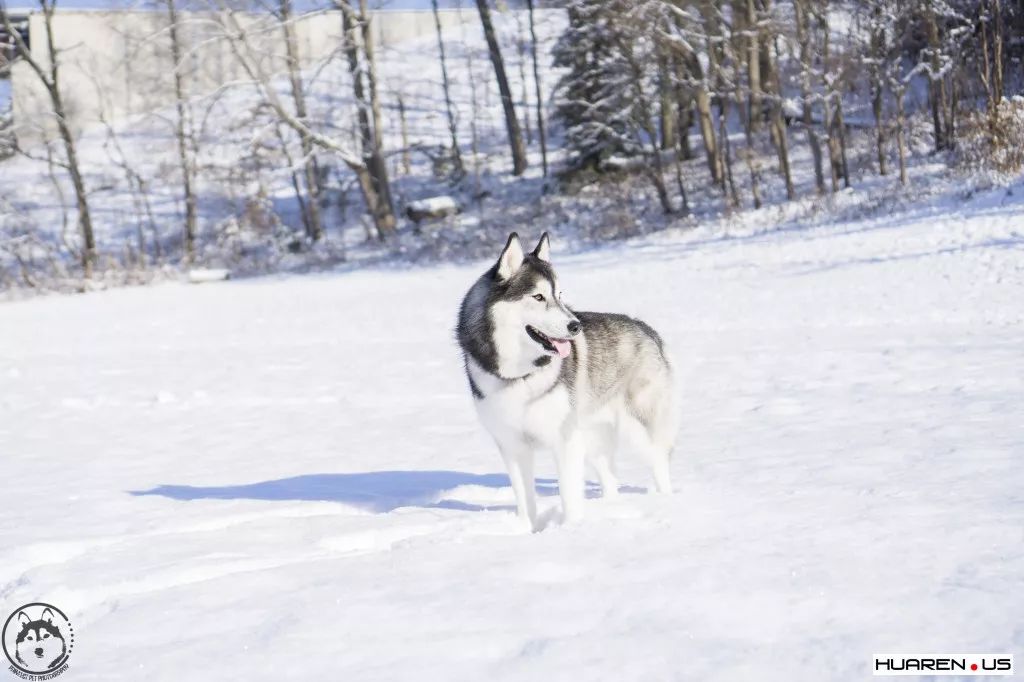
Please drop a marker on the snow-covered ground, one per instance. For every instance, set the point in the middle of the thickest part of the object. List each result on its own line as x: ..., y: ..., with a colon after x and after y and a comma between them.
x: 283, y: 478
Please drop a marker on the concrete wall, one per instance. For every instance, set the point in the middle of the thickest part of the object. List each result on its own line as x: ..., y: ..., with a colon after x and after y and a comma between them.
x: 118, y: 63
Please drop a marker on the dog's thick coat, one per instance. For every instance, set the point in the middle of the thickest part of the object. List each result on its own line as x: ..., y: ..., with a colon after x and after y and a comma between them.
x: 575, y: 383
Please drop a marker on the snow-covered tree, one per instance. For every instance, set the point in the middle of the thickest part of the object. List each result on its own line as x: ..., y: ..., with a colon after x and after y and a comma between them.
x: 596, y: 105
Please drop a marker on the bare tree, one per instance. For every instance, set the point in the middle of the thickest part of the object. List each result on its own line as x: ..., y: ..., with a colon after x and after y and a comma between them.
x: 803, y: 36
x: 541, y: 132
x: 311, y: 172
x: 937, y: 97
x: 832, y: 101
x: 366, y: 161
x: 693, y: 78
x: 877, y: 49
x: 772, y: 77
x: 48, y: 72
x: 515, y: 136
x: 373, y: 174
x: 449, y: 108
x: 184, y: 130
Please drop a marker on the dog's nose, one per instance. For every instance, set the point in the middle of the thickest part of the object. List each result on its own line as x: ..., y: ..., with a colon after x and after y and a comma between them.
x: 574, y: 327
x: 39, y: 651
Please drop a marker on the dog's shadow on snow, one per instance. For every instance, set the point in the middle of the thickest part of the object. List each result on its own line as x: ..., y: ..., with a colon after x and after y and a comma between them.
x: 375, y: 491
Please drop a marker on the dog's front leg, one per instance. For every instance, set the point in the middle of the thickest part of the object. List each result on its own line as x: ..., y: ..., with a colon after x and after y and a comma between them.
x: 519, y: 464
x: 570, y: 456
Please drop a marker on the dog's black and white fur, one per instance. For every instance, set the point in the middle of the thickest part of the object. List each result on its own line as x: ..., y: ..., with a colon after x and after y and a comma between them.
x: 575, y: 383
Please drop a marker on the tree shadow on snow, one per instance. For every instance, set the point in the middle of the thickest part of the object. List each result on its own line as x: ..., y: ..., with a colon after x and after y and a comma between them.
x: 374, y: 491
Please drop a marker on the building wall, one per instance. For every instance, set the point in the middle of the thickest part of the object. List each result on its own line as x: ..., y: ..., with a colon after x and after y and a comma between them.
x: 116, y: 64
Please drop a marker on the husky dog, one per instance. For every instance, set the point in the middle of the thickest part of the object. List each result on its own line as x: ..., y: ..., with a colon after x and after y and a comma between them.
x: 574, y: 383
x: 39, y: 646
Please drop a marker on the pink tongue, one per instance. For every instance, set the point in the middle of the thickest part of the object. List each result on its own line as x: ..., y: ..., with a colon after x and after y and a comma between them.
x: 562, y: 347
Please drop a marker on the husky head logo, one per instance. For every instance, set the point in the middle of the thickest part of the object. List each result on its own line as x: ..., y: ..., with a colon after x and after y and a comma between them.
x: 530, y: 321
x: 36, y: 645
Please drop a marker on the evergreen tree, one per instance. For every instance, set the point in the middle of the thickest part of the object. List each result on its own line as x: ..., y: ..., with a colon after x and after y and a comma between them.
x: 596, y: 105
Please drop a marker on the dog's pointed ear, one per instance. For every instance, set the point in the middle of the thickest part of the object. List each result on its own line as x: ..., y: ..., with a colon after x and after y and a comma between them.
x: 47, y: 616
x: 23, y: 618
x: 543, y: 250
x: 511, y: 258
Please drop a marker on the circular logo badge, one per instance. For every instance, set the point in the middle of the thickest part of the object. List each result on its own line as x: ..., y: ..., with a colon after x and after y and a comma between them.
x: 37, y: 639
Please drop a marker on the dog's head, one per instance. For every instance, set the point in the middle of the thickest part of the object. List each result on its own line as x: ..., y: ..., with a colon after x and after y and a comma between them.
x: 39, y: 645
x: 529, y: 317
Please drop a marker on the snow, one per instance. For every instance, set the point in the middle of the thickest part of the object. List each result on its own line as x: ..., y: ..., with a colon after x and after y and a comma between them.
x: 283, y: 477
x: 441, y: 204
x: 203, y: 275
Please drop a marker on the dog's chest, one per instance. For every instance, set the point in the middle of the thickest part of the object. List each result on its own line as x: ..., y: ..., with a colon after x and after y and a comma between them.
x: 532, y: 408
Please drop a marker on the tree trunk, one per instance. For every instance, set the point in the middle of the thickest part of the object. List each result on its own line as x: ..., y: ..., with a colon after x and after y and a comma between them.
x: 900, y: 143
x: 876, y: 108
x: 449, y: 108
x: 542, y: 134
x: 753, y: 59
x: 748, y: 117
x: 840, y: 123
x: 684, y: 109
x: 74, y: 168
x: 406, y: 159
x: 666, y: 105
x: 936, y: 83
x: 378, y: 169
x: 371, y: 80
x: 997, y: 45
x: 726, y: 155
x: 706, y: 120
x: 875, y: 77
x: 183, y: 132
x: 310, y: 171
x: 835, y: 162
x: 524, y: 95
x: 81, y: 197
x: 373, y: 178
x: 51, y: 82
x: 515, y: 137
x: 779, y: 125
x: 807, y: 115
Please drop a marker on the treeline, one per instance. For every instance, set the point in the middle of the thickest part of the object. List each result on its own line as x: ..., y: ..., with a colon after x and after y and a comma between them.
x: 736, y: 86
x: 643, y: 74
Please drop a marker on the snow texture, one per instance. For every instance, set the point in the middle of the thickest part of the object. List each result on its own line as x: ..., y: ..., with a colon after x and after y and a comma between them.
x: 443, y: 204
x: 283, y: 478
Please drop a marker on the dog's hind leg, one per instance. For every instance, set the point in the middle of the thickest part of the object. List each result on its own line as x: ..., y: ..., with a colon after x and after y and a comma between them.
x: 650, y: 426
x: 519, y: 464
x: 654, y: 450
x: 601, y: 446
x: 660, y: 458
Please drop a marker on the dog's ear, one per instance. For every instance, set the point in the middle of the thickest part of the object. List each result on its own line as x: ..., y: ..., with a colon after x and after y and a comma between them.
x: 47, y: 616
x: 511, y: 258
x: 23, y: 618
x: 543, y: 250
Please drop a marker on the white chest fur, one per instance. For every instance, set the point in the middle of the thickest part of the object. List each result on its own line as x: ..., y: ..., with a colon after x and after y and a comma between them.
x: 531, y: 410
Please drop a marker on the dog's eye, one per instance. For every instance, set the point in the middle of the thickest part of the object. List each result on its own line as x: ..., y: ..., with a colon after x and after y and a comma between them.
x: 46, y: 635
x: 538, y: 297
